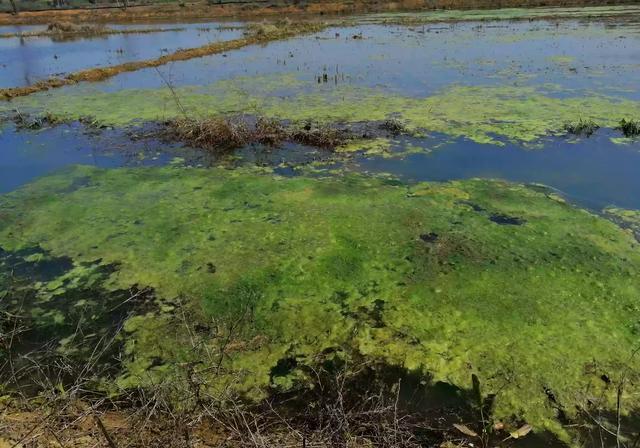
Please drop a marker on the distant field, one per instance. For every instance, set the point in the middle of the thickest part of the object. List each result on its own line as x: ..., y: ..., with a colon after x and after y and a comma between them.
x: 41, y: 5
x: 191, y: 8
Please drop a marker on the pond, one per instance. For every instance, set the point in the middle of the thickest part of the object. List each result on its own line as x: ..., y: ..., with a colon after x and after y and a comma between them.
x: 455, y: 197
x: 26, y: 60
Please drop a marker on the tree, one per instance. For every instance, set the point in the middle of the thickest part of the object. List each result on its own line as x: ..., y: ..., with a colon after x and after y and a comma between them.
x: 14, y: 6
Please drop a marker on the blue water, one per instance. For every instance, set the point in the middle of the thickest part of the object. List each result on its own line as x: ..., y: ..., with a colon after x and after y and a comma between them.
x: 575, y: 55
x: 592, y: 172
x: 596, y: 56
x: 26, y: 60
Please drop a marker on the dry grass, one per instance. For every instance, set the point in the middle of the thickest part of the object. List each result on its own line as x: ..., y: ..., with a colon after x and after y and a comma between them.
x: 219, y: 134
x: 72, y: 28
x: 211, y: 10
x: 333, y: 413
x: 393, y: 126
x: 270, y: 132
x: 223, y: 134
x: 25, y: 121
x: 320, y: 136
x: 69, y: 31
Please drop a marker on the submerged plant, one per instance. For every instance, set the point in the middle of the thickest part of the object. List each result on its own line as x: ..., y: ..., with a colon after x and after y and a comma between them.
x: 630, y: 128
x: 581, y: 127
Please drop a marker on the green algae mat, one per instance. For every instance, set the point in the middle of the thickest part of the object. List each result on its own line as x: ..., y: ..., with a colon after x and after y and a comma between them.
x: 252, y: 272
x: 483, y: 114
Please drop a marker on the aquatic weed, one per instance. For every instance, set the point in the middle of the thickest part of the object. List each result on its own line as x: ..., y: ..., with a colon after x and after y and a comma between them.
x: 25, y: 121
x: 630, y: 128
x: 581, y: 127
x: 393, y: 126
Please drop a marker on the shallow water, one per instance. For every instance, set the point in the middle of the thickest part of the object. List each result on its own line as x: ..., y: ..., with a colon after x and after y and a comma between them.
x: 592, y: 172
x: 25, y: 156
x: 562, y: 58
x: 26, y: 60
x: 420, y: 60
x: 452, y: 277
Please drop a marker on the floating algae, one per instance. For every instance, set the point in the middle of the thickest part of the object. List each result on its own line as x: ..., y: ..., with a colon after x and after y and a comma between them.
x: 627, y: 219
x: 484, y: 114
x: 470, y: 277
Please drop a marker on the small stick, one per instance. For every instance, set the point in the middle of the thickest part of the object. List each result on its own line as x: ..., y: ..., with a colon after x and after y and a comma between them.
x: 104, y: 432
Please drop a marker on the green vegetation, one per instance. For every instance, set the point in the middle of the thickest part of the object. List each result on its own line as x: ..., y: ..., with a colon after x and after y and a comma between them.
x: 630, y: 128
x: 483, y: 114
x: 260, y: 278
x: 581, y: 127
x: 627, y: 219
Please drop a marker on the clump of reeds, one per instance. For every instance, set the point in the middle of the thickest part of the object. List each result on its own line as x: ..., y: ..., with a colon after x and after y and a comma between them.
x: 72, y: 28
x: 320, y: 136
x: 223, y: 134
x: 393, y: 126
x: 581, y: 127
x: 630, y: 128
x: 214, y: 133
x: 23, y: 121
x: 270, y: 132
x: 260, y: 29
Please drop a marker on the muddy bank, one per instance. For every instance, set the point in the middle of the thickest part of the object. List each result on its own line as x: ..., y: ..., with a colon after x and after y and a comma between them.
x: 67, y: 31
x: 335, y: 414
x: 202, y: 11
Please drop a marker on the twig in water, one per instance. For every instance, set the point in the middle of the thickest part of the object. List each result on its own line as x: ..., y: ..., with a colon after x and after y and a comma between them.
x: 172, y: 90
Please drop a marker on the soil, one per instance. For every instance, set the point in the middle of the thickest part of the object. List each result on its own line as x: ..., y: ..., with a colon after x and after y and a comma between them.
x: 203, y: 11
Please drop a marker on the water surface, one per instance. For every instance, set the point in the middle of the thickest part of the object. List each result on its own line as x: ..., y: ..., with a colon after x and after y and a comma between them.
x: 25, y: 60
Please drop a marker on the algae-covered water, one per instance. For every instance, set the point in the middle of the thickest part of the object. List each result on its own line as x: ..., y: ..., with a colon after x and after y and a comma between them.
x: 479, y: 239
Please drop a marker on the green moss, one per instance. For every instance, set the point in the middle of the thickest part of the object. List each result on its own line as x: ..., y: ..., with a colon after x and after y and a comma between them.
x: 377, y: 146
x: 482, y: 114
x: 485, y: 277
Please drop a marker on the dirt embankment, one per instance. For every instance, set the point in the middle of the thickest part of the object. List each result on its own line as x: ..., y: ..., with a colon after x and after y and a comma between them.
x: 203, y: 11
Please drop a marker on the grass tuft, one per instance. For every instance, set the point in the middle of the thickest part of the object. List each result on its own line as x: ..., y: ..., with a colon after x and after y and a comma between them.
x: 223, y: 134
x: 72, y: 28
x: 220, y: 134
x: 393, y: 126
x: 630, y: 128
x: 33, y: 123
x: 581, y: 127
x: 321, y: 136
